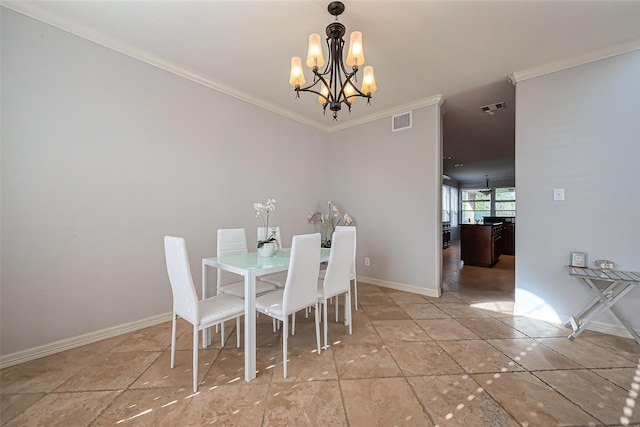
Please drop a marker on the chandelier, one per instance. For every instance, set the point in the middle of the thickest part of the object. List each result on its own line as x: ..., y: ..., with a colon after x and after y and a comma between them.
x: 486, y: 190
x: 335, y: 84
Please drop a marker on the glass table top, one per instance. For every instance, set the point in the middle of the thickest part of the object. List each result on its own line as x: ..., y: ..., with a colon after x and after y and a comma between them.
x: 252, y: 261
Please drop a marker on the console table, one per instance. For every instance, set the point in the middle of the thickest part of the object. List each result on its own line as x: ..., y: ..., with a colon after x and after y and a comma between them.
x: 619, y: 283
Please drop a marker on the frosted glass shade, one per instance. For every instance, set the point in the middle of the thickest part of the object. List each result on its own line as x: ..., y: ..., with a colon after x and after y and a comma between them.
x: 356, y: 51
x: 349, y: 91
x: 314, y: 55
x: 297, y: 76
x: 325, y: 91
x: 369, y: 81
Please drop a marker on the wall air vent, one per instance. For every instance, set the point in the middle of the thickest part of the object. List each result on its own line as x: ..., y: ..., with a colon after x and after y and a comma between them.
x: 401, y: 121
x: 489, y: 109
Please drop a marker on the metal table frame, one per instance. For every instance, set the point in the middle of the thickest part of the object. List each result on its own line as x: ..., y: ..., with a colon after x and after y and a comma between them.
x: 619, y: 284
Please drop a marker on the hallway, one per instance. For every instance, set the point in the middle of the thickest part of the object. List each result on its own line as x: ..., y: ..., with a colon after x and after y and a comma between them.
x: 459, y: 278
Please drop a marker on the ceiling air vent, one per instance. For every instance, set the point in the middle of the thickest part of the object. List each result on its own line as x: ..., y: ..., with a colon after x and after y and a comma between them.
x: 489, y: 109
x: 401, y: 121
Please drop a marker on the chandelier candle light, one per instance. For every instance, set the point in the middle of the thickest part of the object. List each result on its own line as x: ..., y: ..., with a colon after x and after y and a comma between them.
x: 334, y: 85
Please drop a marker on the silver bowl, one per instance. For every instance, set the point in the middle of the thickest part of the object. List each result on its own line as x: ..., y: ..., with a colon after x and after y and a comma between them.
x: 604, y: 264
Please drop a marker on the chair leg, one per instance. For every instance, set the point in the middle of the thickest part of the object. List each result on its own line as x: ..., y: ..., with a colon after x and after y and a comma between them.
x: 285, y: 334
x: 347, y: 300
x: 324, y: 315
x: 195, y: 359
x: 222, y: 334
x: 317, y: 322
x: 293, y: 324
x: 355, y: 288
x: 173, y: 341
x: 347, y: 304
x: 337, y: 297
x: 238, y: 331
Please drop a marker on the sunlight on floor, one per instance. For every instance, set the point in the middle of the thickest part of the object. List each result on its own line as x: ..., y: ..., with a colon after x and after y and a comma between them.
x: 633, y: 396
x: 495, y: 306
x: 531, y: 305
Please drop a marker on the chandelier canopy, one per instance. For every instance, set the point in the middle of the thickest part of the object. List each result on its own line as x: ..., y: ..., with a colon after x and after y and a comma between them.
x: 335, y: 84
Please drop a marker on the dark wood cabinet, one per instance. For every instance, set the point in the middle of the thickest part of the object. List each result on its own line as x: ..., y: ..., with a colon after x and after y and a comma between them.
x: 446, y: 234
x: 508, y: 239
x: 480, y: 244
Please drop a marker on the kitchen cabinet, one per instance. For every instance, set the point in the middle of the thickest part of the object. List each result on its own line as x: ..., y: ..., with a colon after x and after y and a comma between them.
x: 446, y: 234
x: 508, y: 239
x: 480, y: 244
x: 508, y: 242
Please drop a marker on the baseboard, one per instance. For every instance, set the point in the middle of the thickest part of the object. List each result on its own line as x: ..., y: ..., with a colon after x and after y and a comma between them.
x: 401, y: 287
x: 70, y: 343
x: 605, y: 328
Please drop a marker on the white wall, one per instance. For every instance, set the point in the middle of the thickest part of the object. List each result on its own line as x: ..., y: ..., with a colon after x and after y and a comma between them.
x: 102, y: 155
x: 577, y: 129
x: 390, y: 183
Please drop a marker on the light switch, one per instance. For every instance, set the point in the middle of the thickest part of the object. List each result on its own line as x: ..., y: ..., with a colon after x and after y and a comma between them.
x: 558, y: 194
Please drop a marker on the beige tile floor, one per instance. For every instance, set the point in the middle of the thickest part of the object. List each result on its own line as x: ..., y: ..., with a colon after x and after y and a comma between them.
x: 460, y: 360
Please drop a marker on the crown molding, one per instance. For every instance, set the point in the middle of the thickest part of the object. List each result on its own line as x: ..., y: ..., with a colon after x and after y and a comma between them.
x: 575, y: 61
x: 33, y: 11
x: 424, y: 102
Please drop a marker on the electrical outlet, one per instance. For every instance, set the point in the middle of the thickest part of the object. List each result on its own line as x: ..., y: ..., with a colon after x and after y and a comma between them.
x: 367, y: 262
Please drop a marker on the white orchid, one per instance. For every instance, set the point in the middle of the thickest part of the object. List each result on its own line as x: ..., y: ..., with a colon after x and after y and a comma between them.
x: 263, y: 211
x: 347, y: 219
x: 329, y: 223
x: 333, y: 208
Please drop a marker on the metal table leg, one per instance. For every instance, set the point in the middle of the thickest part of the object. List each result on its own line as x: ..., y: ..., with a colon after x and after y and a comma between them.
x: 607, y: 299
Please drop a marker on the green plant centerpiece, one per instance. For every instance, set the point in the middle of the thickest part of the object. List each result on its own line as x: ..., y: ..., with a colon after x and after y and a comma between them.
x: 329, y: 222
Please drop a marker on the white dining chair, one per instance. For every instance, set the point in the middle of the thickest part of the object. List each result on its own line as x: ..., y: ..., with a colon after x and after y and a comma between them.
x: 233, y: 241
x: 201, y: 314
x: 276, y: 279
x: 353, y: 275
x: 337, y: 277
x: 300, y: 290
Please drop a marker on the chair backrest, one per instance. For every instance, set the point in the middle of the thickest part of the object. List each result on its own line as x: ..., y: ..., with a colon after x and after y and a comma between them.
x: 231, y: 241
x: 337, y: 278
x: 185, y: 298
x: 273, y: 230
x: 353, y: 266
x: 301, y: 287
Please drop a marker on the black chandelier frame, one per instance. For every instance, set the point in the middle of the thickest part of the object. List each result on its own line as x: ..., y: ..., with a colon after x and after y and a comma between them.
x: 335, y: 76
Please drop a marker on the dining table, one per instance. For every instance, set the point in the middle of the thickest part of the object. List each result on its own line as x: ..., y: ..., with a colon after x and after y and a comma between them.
x: 251, y: 266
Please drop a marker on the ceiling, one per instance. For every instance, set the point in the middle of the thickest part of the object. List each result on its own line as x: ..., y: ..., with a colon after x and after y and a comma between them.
x: 462, y: 50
